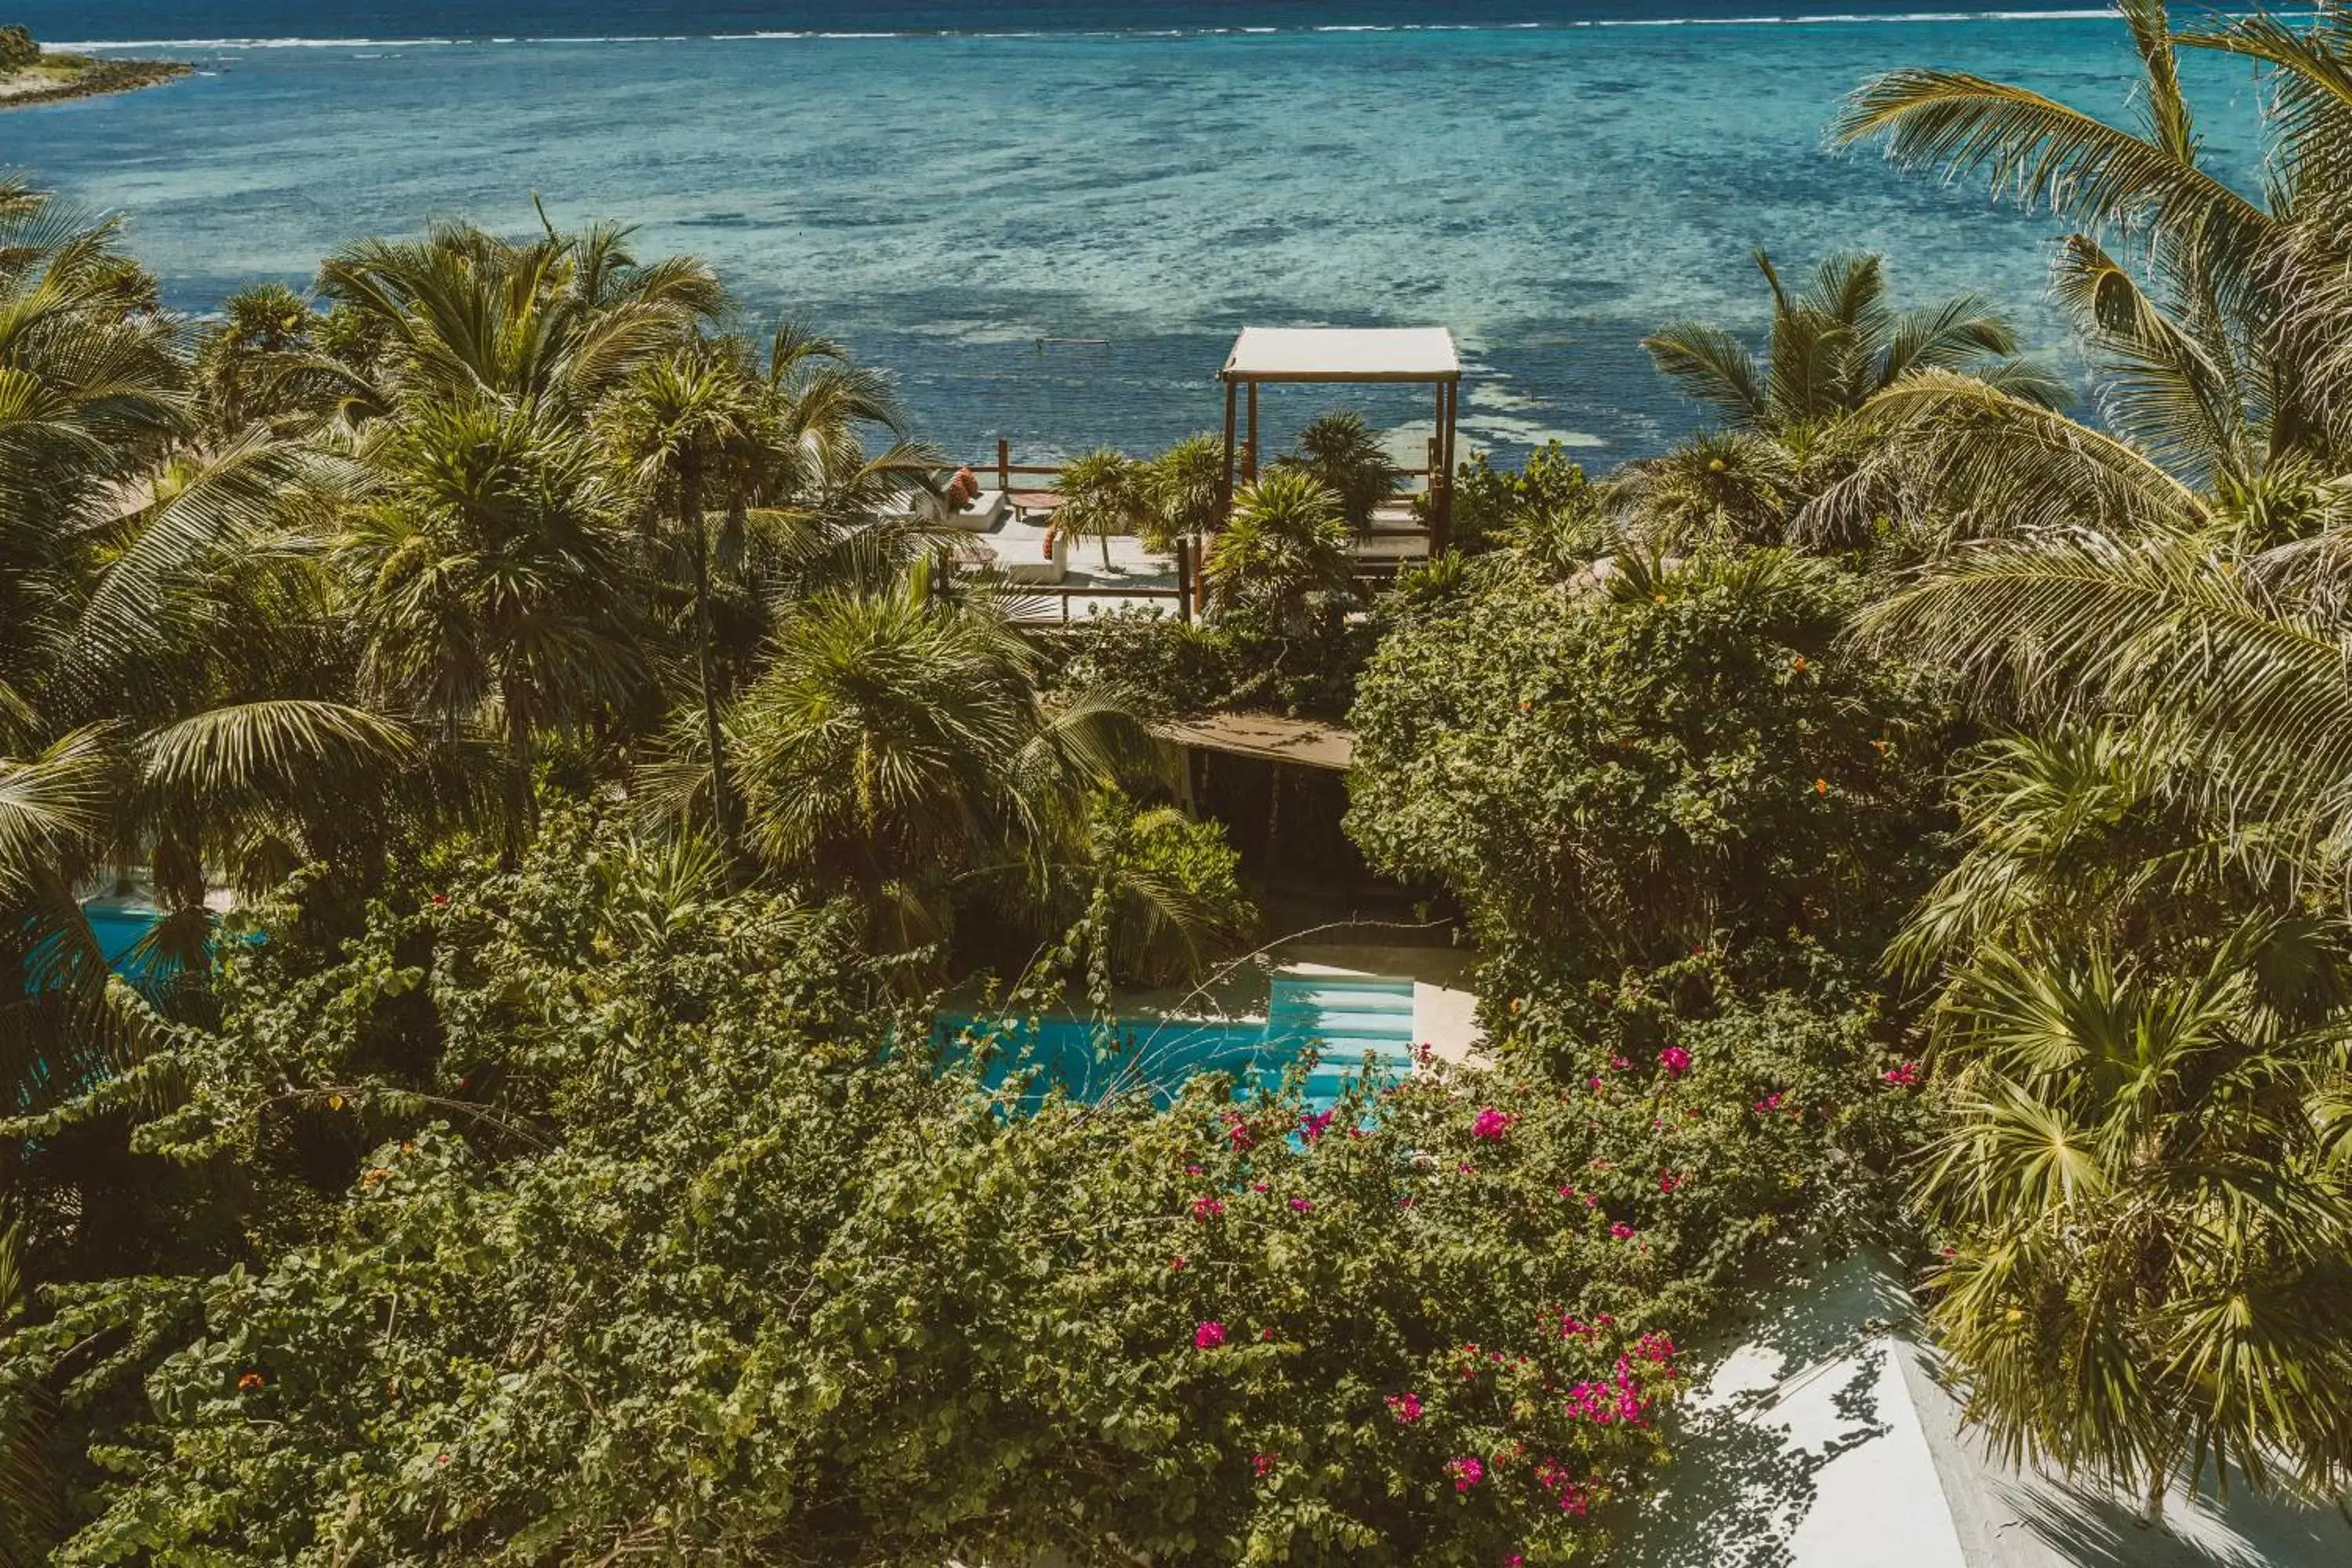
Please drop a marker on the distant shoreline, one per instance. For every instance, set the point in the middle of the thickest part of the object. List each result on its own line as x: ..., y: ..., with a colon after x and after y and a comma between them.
x: 58, y: 78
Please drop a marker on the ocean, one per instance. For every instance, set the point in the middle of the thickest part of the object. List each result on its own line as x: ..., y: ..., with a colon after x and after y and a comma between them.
x: 1049, y: 219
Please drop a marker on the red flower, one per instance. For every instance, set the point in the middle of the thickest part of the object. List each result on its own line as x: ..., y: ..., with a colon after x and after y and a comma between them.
x: 1622, y: 1231
x: 1208, y: 1335
x: 249, y: 1382
x: 1262, y: 1463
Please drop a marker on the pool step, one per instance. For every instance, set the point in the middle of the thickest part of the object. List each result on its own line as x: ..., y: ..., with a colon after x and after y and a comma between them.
x: 1349, y: 1018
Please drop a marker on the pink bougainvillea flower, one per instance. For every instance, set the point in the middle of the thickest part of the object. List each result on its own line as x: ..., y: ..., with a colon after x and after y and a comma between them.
x: 1492, y: 1124
x: 1315, y: 1124
x: 1902, y: 1077
x: 1620, y: 1063
x: 1622, y: 1231
x: 1468, y: 1169
x: 1302, y: 1205
x: 1261, y: 1464
x: 1261, y: 1186
x: 1768, y: 1104
x: 1654, y: 1347
x: 1676, y: 1060
x: 1175, y: 1263
x: 1208, y: 1335
x: 1467, y: 1471
x: 1266, y: 1336
x: 1207, y: 1207
x: 1239, y: 1135
x: 1595, y: 1082
x: 1192, y: 1170
x: 1668, y: 1180
x: 1405, y: 1407
x: 1513, y: 1560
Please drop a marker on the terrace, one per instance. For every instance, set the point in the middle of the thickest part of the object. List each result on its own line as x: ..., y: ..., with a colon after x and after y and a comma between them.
x: 1052, y: 578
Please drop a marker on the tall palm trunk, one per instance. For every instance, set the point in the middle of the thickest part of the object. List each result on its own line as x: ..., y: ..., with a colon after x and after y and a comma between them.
x: 523, y: 808
x: 722, y: 791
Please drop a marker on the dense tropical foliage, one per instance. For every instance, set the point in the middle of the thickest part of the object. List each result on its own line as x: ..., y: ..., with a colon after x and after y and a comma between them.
x: 568, y: 778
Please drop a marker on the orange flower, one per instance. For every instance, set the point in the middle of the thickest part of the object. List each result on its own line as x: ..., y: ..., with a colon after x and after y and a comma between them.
x: 249, y: 1382
x: 1821, y: 787
x: 373, y: 1177
x: 1884, y: 746
x: 1800, y: 662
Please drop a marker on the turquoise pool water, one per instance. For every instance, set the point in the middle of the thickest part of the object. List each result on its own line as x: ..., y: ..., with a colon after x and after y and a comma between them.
x: 1344, y: 1019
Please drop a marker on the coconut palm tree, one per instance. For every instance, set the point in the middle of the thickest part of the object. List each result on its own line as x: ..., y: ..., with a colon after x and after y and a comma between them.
x: 681, y: 423
x: 2182, y: 559
x: 1286, y: 541
x: 1788, y: 429
x: 1103, y: 493
x: 2144, y: 963
x: 553, y: 324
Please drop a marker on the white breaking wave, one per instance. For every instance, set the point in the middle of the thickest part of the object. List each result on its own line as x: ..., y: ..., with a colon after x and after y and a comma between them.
x: 1808, y: 19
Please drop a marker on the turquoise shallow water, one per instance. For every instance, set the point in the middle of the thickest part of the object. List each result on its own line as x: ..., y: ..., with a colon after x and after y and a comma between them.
x: 947, y: 201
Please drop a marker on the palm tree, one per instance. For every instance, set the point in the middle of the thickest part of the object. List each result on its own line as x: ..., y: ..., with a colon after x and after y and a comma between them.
x: 486, y: 585
x: 2146, y: 974
x: 1787, y: 418
x: 554, y: 324
x: 259, y: 327
x: 1286, y: 541
x: 1103, y: 493
x: 1182, y: 485
x: 895, y: 741
x: 2180, y: 561
x: 1342, y: 455
x: 2152, y: 1256
x: 683, y: 419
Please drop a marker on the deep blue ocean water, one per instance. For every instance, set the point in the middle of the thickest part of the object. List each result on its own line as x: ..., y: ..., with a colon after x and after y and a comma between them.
x: 961, y: 191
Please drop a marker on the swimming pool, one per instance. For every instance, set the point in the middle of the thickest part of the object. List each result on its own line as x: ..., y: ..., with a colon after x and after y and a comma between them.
x: 1344, y: 1017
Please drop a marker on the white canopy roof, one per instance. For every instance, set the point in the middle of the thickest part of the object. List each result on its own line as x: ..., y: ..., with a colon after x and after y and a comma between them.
x: 1343, y: 353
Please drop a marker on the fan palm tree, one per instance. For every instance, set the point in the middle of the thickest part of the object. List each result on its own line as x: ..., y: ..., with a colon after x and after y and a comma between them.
x: 1286, y: 541
x: 1342, y: 455
x: 895, y: 741
x: 484, y: 582
x: 2152, y: 1254
x: 1103, y: 493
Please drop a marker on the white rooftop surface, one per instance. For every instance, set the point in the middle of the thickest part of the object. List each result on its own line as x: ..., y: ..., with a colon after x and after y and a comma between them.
x: 1343, y: 353
x: 1822, y: 1439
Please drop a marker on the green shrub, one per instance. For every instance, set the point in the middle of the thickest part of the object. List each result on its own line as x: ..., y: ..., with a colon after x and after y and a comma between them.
x: 668, y: 1236
x: 1660, y: 756
x: 17, y: 48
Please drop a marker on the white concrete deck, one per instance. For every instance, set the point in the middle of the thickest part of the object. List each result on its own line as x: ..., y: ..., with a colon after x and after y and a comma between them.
x: 1824, y: 1440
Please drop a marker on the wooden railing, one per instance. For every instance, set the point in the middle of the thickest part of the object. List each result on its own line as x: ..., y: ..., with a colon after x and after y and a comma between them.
x: 1006, y: 469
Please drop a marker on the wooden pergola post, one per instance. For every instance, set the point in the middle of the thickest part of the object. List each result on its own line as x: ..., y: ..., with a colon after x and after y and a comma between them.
x: 1249, y: 450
